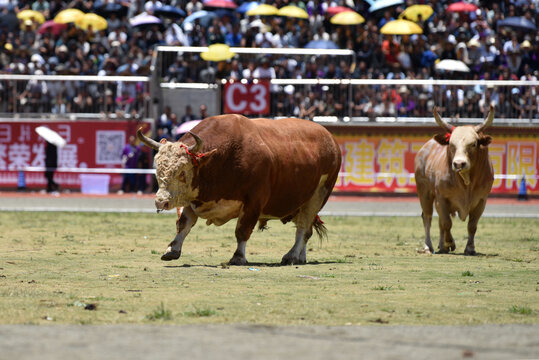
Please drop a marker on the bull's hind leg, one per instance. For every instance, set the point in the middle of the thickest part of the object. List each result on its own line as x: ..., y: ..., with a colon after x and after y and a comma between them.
x: 475, y: 214
x: 304, y: 225
x: 298, y: 253
x: 184, y: 224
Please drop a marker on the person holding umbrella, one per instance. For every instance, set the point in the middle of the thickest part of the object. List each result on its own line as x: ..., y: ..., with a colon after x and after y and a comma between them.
x: 51, y: 163
x: 53, y: 141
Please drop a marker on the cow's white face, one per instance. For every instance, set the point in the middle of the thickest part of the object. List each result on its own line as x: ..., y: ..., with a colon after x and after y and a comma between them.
x: 174, y: 171
x: 463, y: 144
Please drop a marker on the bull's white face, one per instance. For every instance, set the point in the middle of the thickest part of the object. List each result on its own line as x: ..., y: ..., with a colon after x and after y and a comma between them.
x: 174, y: 172
x: 463, y: 145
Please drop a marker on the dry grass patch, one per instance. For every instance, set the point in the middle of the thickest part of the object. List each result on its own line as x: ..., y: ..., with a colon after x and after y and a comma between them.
x: 369, y: 271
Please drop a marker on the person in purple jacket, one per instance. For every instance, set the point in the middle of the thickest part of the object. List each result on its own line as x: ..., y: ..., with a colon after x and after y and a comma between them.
x: 130, y: 156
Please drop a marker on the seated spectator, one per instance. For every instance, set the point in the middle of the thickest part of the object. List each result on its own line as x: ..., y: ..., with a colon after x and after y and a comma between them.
x: 167, y: 120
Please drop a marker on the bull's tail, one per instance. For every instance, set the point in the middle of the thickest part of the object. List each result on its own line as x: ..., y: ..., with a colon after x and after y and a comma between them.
x: 320, y: 228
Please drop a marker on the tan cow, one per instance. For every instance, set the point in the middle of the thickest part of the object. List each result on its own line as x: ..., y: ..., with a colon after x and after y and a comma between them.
x: 453, y: 171
x: 251, y: 169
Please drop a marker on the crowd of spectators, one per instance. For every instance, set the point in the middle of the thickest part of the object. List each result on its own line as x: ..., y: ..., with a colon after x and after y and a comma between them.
x: 490, y: 51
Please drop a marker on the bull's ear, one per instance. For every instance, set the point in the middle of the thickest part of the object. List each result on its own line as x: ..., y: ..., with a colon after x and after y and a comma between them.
x: 484, y: 140
x: 441, y: 139
x: 207, y: 155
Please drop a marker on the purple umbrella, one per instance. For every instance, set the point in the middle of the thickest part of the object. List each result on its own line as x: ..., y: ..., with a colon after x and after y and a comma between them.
x: 187, y: 126
x: 144, y: 19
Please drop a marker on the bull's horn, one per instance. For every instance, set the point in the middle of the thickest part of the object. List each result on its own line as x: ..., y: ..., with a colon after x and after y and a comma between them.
x: 198, y: 146
x: 147, y: 141
x: 487, y: 122
x: 440, y: 121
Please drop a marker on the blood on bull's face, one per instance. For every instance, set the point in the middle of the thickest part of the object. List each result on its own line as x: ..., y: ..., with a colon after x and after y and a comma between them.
x: 175, y: 164
x: 463, y: 143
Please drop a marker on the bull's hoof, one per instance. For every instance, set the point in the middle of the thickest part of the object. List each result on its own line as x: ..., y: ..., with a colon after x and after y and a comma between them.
x: 238, y: 261
x: 292, y: 261
x: 453, y: 246
x: 443, y: 251
x: 171, y: 255
x: 470, y: 252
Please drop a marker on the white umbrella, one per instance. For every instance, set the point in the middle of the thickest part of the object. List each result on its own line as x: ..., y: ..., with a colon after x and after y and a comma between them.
x: 51, y: 136
x: 452, y: 65
x: 187, y: 126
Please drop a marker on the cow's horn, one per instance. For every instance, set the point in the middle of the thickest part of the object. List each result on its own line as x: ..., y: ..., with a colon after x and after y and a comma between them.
x: 440, y: 121
x: 487, y: 122
x: 147, y: 141
x: 198, y: 146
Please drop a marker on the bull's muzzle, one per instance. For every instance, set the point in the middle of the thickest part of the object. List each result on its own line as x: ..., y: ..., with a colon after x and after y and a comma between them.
x: 162, y: 205
x: 459, y: 165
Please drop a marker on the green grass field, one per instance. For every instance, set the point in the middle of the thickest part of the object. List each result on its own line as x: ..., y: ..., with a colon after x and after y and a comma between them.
x: 92, y: 268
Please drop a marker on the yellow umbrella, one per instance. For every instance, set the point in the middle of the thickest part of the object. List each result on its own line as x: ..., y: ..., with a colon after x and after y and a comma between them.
x: 347, y: 18
x: 68, y: 16
x: 411, y: 12
x: 217, y: 52
x: 31, y: 15
x: 401, y: 27
x: 263, y: 10
x: 97, y: 22
x: 293, y: 11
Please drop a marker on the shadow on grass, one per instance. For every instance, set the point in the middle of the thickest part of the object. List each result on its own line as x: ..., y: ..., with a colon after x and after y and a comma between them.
x: 464, y: 255
x: 251, y: 264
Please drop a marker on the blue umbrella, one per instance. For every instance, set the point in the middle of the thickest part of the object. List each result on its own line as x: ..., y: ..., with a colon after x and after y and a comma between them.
x: 382, y: 4
x: 109, y: 8
x: 203, y: 16
x: 225, y: 12
x: 518, y: 22
x: 169, y: 11
x: 321, y: 44
x: 246, y: 6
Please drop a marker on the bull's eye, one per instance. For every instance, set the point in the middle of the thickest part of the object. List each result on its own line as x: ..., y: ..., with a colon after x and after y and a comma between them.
x: 181, y: 177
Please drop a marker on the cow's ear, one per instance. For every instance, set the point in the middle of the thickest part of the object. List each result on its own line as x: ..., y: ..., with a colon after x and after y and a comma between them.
x: 441, y: 139
x: 206, y: 155
x: 484, y: 140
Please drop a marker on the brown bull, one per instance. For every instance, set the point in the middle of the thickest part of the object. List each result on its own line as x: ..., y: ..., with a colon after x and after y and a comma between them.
x: 454, y: 171
x: 251, y: 169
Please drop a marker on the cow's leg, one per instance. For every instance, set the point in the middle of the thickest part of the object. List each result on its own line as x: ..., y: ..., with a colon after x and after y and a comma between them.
x: 246, y: 223
x: 303, y: 252
x: 446, y: 240
x: 475, y: 214
x: 304, y: 230
x: 304, y: 221
x: 184, y: 224
x: 426, y: 200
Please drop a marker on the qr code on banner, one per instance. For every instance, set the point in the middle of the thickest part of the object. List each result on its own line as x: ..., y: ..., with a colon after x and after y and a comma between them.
x: 109, y: 147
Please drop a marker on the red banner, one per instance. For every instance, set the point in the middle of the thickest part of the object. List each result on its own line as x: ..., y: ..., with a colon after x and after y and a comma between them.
x: 89, y: 145
x: 247, y: 99
x: 386, y: 163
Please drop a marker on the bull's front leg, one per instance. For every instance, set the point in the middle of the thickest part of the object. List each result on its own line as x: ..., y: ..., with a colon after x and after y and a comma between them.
x: 184, y: 224
x: 475, y: 214
x: 244, y: 228
x: 446, y: 239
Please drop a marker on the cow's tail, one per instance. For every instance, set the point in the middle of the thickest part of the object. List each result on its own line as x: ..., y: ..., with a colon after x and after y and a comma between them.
x: 320, y: 228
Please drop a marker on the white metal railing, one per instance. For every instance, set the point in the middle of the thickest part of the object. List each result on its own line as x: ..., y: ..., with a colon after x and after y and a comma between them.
x: 260, y: 51
x: 67, y: 95
x: 152, y: 172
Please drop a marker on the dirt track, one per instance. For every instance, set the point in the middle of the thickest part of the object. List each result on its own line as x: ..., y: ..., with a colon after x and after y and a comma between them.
x: 265, y: 342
